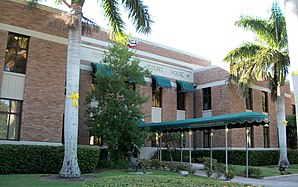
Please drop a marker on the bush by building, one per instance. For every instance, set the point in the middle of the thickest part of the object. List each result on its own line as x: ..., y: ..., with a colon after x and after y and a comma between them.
x: 42, y: 159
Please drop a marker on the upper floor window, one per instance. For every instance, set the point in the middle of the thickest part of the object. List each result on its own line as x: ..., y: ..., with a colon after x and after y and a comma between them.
x: 264, y: 101
x: 180, y: 98
x: 10, y: 116
x: 16, y: 53
x: 293, y: 109
x: 248, y: 100
x: 207, y: 98
x: 156, y: 95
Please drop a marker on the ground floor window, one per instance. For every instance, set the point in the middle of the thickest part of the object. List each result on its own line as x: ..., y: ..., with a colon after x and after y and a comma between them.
x: 94, y: 140
x: 10, y: 117
x: 266, y: 137
x: 207, y: 139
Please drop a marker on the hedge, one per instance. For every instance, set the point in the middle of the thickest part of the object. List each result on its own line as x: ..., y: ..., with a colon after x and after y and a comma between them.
x: 237, y: 157
x: 42, y: 159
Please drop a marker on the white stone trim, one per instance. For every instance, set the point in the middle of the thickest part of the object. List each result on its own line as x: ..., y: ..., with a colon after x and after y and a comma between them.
x: 212, y: 84
x: 206, y: 68
x: 260, y: 88
x: 36, y: 34
x: 171, y: 48
x: 29, y: 143
x: 138, y: 52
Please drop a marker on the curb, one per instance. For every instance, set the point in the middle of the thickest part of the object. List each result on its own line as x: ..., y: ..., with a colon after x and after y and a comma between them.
x: 279, y: 176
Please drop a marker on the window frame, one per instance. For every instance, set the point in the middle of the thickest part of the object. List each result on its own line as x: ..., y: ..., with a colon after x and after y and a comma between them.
x: 156, y: 95
x: 180, y: 98
x: 206, y: 138
x: 17, y: 49
x: 8, y: 114
x: 265, y: 107
x: 266, y: 135
x: 251, y: 137
x: 249, y: 100
x: 207, y: 98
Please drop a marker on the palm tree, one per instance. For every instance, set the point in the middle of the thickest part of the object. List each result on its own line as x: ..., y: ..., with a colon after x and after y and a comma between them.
x: 291, y: 14
x: 268, y: 59
x: 138, y: 13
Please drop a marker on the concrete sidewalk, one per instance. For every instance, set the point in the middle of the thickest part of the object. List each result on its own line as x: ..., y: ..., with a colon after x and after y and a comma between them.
x: 276, y: 181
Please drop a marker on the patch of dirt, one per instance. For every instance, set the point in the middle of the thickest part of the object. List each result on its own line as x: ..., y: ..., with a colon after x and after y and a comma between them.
x: 57, y: 178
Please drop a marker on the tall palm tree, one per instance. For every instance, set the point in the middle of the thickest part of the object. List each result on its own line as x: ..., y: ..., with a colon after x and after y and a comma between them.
x: 138, y: 13
x: 291, y: 14
x: 268, y: 59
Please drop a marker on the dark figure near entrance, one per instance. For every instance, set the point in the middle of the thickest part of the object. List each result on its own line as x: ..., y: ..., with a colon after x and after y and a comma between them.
x: 134, y: 163
x: 135, y: 150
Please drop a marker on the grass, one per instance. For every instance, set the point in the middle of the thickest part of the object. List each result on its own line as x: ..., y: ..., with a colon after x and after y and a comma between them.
x: 34, y: 180
x: 267, y: 171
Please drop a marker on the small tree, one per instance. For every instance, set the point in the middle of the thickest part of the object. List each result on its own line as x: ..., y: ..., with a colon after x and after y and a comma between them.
x: 171, y: 141
x: 115, y: 103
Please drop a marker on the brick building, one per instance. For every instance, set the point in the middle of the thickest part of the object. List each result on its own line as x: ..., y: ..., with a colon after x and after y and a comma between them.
x: 32, y: 82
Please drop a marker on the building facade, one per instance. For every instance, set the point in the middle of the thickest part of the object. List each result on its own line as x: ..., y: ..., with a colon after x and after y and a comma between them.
x: 32, y: 82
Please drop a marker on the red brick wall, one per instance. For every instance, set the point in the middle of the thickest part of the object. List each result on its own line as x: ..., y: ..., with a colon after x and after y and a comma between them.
x: 43, y: 103
x: 169, y: 104
x: 85, y: 89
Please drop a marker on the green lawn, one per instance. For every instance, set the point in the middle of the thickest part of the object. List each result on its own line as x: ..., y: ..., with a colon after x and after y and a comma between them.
x: 268, y: 171
x: 109, y: 177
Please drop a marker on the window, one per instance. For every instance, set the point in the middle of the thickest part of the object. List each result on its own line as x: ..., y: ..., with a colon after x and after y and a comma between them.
x: 248, y: 100
x: 180, y: 98
x: 265, y: 102
x: 250, y: 137
x: 10, y: 115
x: 266, y: 137
x: 16, y: 53
x: 207, y: 139
x: 207, y: 98
x: 156, y: 95
x: 94, y: 140
x: 293, y: 109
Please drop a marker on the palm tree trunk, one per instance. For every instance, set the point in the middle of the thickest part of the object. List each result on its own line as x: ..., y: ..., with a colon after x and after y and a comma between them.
x: 70, y: 168
x: 281, y: 118
x: 291, y: 15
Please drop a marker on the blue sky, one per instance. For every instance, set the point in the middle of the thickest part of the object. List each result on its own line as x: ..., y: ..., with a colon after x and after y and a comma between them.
x: 201, y: 27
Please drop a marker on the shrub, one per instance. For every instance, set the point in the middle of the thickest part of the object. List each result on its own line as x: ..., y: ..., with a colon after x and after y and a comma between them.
x: 253, y: 172
x: 209, y: 170
x: 155, y: 163
x: 231, y: 173
x: 219, y: 170
x: 42, y: 159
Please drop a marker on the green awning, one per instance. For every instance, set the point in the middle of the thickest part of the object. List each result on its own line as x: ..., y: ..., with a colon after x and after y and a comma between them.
x: 238, y: 120
x: 102, y: 69
x: 185, y: 86
x: 162, y: 81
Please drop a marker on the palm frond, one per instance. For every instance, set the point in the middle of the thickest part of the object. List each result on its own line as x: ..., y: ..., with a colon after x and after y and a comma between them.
x: 258, y: 26
x: 139, y: 14
x: 113, y: 13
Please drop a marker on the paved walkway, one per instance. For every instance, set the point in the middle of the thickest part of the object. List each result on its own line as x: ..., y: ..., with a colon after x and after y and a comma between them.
x: 276, y: 181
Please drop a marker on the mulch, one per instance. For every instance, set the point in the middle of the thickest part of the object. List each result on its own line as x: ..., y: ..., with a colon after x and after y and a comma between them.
x: 55, y: 177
